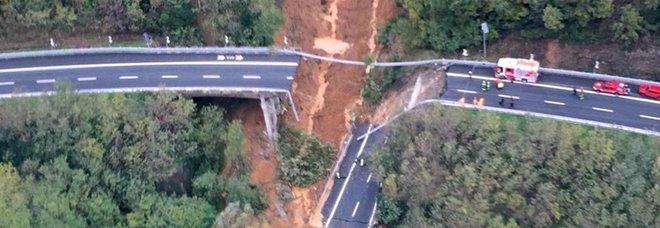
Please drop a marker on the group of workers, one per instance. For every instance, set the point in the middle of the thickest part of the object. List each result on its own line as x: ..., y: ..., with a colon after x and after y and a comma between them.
x: 485, y: 85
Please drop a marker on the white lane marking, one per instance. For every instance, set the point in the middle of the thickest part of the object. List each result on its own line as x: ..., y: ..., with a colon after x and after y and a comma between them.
x: 169, y: 76
x: 355, y: 209
x: 640, y: 99
x: 508, y: 96
x: 6, y: 83
x: 128, y: 77
x: 466, y: 91
x: 373, y: 213
x: 650, y: 117
x: 602, y: 109
x: 348, y: 178
x: 289, y: 78
x: 251, y: 77
x: 369, y: 178
x: 189, y: 63
x: 210, y: 76
x: 45, y: 81
x: 557, y: 88
x: 82, y: 79
x: 553, y: 102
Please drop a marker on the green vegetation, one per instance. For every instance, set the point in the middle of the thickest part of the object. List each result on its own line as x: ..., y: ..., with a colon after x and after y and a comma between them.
x: 303, y: 158
x: 379, y: 80
x: 247, y: 22
x: 447, y: 25
x: 450, y: 167
x: 117, y: 160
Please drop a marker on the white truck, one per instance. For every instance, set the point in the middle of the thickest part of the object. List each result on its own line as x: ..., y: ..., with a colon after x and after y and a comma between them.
x: 523, y: 70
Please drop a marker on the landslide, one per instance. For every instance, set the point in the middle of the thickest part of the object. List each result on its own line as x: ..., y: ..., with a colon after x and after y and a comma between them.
x: 325, y: 94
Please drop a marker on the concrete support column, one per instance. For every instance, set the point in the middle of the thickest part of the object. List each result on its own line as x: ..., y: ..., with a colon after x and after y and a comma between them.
x: 271, y: 108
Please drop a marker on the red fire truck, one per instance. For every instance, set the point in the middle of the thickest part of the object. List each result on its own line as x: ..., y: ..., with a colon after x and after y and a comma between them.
x: 524, y: 70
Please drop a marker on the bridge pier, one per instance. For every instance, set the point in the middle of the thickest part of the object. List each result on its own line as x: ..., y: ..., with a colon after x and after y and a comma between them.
x: 271, y: 107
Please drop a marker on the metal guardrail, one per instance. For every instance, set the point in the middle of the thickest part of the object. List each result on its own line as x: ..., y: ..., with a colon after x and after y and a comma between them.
x: 138, y: 50
x: 279, y: 51
x: 572, y: 73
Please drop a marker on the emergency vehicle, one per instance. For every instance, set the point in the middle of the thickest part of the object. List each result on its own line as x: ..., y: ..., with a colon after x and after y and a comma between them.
x: 613, y: 87
x: 650, y: 90
x: 524, y: 70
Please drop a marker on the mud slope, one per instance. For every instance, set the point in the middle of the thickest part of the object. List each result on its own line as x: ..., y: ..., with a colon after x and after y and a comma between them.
x: 325, y: 93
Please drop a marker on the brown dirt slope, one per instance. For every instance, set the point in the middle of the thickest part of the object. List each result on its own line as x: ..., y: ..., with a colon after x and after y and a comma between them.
x: 614, y: 59
x: 325, y: 93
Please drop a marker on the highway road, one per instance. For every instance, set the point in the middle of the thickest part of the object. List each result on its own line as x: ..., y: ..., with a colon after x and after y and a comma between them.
x: 125, y: 71
x: 551, y: 95
x: 352, y: 201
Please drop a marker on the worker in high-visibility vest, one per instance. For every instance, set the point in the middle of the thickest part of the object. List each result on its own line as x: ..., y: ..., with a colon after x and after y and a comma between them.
x: 481, y: 102
x: 462, y: 101
x: 474, y: 101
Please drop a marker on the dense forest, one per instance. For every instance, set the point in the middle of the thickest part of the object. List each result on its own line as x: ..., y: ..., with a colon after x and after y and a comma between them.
x: 445, y: 167
x: 117, y: 160
x: 447, y: 25
x: 249, y: 22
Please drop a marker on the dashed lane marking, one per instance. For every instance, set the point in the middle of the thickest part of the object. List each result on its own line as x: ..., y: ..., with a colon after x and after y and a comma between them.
x: 369, y: 178
x: 650, y: 117
x: 210, y: 76
x: 508, y: 96
x: 458, y: 75
x: 373, y: 213
x: 252, y: 77
x: 128, y: 77
x: 6, y: 83
x: 602, y: 109
x: 466, y: 91
x: 348, y: 179
x: 45, y: 81
x: 355, y: 209
x: 82, y: 79
x: 553, y: 102
x: 170, y: 76
x: 289, y: 78
x: 151, y: 64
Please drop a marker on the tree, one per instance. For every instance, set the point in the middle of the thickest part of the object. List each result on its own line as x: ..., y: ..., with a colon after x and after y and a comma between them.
x: 13, y: 205
x: 628, y: 27
x: 241, y: 191
x: 234, y: 153
x: 552, y: 18
x: 235, y: 216
x: 303, y: 159
x: 513, y: 172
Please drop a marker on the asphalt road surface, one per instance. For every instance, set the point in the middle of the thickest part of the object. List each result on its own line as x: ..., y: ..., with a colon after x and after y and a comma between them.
x: 551, y: 95
x: 352, y: 201
x: 125, y: 71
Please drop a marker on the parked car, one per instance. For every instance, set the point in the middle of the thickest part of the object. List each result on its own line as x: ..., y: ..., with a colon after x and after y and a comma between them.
x: 613, y: 87
x: 650, y: 90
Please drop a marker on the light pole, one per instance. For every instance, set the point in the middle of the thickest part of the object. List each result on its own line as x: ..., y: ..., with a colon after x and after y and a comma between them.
x: 484, y: 31
x: 110, y: 41
x: 167, y: 41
